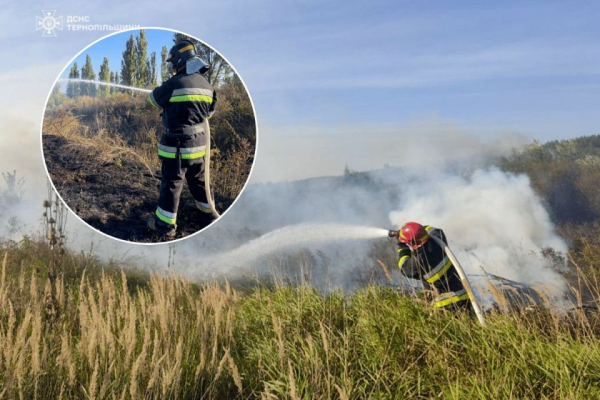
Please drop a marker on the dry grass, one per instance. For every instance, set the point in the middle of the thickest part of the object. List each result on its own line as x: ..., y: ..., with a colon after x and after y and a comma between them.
x: 232, y: 169
x: 107, y: 146
x: 108, y: 342
x: 169, y: 338
x: 122, y: 127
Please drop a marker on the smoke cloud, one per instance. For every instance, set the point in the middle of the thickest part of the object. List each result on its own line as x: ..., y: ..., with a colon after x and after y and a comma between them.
x: 493, y: 220
x: 299, y: 152
x: 436, y: 174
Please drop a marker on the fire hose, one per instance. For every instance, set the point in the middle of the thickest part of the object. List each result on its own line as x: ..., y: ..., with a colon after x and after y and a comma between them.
x: 461, y: 274
x: 209, y: 197
x: 463, y: 279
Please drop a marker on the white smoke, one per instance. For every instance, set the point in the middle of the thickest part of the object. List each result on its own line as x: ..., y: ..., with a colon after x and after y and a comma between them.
x: 304, y: 151
x: 492, y: 220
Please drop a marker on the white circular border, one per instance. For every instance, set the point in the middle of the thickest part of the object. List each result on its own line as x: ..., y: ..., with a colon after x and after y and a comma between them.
x: 42, y: 138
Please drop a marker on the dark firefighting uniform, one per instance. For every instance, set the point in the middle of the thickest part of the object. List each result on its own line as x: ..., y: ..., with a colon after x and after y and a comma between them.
x: 185, y: 101
x: 430, y: 264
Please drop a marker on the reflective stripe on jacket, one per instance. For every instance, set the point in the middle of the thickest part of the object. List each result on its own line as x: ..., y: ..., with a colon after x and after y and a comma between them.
x: 185, y: 100
x: 431, y: 265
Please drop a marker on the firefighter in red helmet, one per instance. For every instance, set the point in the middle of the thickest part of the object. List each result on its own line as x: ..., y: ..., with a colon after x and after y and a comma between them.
x: 424, y: 259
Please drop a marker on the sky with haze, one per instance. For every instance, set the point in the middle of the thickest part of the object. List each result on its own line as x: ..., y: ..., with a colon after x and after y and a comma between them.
x: 325, y: 76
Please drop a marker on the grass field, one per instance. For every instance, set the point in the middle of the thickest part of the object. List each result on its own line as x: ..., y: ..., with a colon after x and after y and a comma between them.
x: 101, y: 153
x: 102, y: 333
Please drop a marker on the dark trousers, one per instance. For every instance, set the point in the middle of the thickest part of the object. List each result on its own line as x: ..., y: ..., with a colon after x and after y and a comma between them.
x: 171, y: 187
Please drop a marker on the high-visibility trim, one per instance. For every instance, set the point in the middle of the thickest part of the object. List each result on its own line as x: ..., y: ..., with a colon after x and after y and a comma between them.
x: 193, y: 156
x: 191, y: 97
x: 152, y: 101
x: 186, y: 48
x: 184, y: 156
x: 204, y: 207
x: 439, y: 271
x: 402, y: 260
x: 179, y: 92
x: 428, y: 227
x: 166, y: 154
x: 182, y: 150
x: 449, y: 298
x: 166, y: 216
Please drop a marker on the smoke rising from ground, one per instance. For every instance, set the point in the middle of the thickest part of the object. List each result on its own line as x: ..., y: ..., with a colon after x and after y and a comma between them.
x: 492, y: 219
x: 510, y: 225
x: 20, y: 153
x: 445, y: 180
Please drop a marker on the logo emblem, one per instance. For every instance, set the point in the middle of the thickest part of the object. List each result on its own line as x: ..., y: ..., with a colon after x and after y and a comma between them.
x: 48, y: 23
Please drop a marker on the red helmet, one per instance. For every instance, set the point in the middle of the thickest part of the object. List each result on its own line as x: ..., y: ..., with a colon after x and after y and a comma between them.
x: 413, y: 234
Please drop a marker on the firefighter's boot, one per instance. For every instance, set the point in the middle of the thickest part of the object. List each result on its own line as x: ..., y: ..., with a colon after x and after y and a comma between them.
x: 151, y: 222
x: 205, y: 216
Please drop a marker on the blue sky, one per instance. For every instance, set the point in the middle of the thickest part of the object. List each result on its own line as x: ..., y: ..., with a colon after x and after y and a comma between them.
x: 519, y: 65
x: 113, y: 47
x: 318, y: 69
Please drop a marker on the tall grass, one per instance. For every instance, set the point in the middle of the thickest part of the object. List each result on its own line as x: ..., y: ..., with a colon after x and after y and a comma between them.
x: 125, y: 128
x: 169, y: 338
x: 114, y: 129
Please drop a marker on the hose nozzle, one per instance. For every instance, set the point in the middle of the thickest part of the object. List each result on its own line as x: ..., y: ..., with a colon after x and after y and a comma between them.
x: 393, y: 234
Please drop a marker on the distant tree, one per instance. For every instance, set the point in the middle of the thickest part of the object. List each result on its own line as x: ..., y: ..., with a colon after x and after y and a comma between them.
x: 165, y: 71
x: 56, y: 97
x: 116, y: 80
x: 55, y: 89
x: 105, y: 76
x: 112, y: 80
x: 73, y: 89
x: 141, y: 65
x: 87, y: 73
x: 152, y: 72
x: 128, y: 62
x: 220, y: 71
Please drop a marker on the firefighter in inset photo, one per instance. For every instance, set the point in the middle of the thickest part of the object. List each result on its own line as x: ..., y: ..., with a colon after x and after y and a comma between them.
x: 186, y: 100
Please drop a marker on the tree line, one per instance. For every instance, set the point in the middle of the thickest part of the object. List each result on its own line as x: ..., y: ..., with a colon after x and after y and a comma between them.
x: 140, y: 70
x: 137, y: 69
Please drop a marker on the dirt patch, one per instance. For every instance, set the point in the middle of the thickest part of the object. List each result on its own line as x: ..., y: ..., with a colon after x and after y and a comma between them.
x: 117, y: 197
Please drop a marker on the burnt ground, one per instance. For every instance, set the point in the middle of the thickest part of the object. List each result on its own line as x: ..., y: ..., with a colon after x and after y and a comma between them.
x: 115, y: 198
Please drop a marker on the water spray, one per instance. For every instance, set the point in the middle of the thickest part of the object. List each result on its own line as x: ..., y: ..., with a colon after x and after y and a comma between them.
x: 115, y: 85
x: 209, y: 196
x: 311, y: 235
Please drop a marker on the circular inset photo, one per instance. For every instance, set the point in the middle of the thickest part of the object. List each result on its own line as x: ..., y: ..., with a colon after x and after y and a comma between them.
x: 149, y: 135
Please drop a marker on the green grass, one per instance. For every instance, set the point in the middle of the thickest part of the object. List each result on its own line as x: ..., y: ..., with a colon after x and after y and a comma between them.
x: 164, y: 337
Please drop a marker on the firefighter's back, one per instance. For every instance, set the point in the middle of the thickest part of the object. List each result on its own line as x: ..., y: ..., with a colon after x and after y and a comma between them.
x: 190, y: 102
